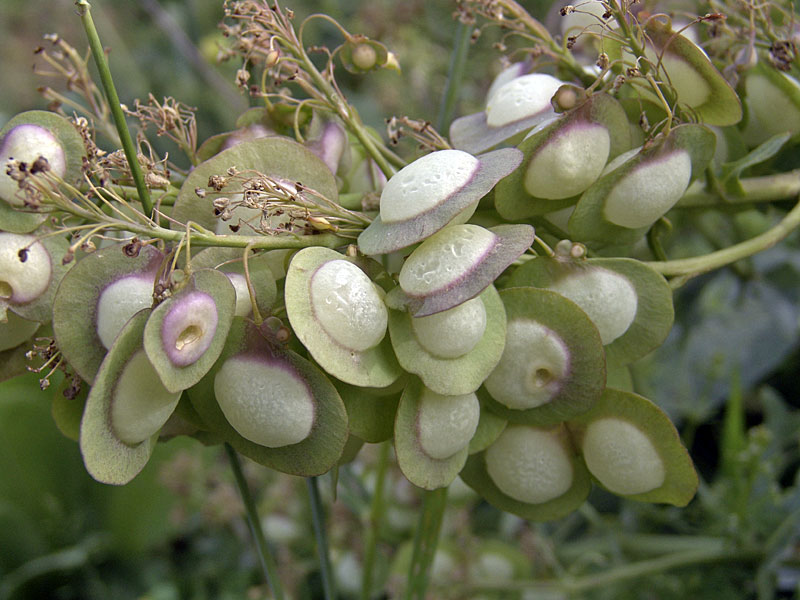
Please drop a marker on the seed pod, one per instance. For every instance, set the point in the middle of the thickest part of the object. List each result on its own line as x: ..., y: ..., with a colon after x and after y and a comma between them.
x: 15, y: 331
x: 773, y: 104
x: 25, y: 268
x: 338, y: 314
x: 531, y: 472
x: 272, y: 405
x: 631, y: 447
x: 95, y: 300
x: 436, y: 190
x: 360, y: 54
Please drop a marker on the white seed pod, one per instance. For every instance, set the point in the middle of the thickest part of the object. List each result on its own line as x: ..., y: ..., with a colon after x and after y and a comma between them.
x: 348, y: 306
x: 25, y: 268
x: 426, y: 182
x: 452, y: 333
x: 535, y: 360
x: 118, y: 302
x: 608, y: 298
x: 773, y: 105
x: 521, y: 98
x: 646, y: 193
x: 529, y: 464
x: 26, y: 143
x: 140, y: 403
x: 243, y: 305
x: 188, y: 328
x: 446, y: 424
x: 622, y: 457
x: 266, y: 402
x: 569, y: 162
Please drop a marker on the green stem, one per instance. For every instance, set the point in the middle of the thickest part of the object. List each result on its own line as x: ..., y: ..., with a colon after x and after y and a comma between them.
x: 455, y: 75
x: 691, y: 267
x: 426, y: 538
x: 377, y: 510
x: 570, y: 586
x: 769, y: 188
x: 268, y: 564
x: 318, y: 521
x: 84, y: 11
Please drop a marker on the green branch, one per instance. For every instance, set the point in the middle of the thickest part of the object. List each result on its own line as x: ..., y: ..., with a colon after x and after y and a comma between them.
x: 84, y: 11
x: 426, y: 538
x: 691, y: 267
x: 377, y: 510
x: 318, y: 522
x: 768, y: 188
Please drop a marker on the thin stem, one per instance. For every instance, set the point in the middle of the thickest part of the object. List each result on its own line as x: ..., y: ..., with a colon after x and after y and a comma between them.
x: 455, y: 75
x: 268, y: 564
x: 426, y: 538
x: 377, y: 510
x: 691, y: 267
x: 318, y: 521
x: 131, y: 155
x: 768, y: 188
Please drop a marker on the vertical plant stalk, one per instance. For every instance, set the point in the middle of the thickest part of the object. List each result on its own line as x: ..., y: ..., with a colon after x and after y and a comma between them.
x: 318, y: 522
x: 455, y: 75
x: 377, y: 510
x: 131, y: 155
x: 268, y: 564
x: 426, y: 539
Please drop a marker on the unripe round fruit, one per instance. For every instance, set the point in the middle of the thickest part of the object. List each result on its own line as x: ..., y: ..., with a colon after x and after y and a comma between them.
x: 22, y: 281
x: 446, y: 424
x: 119, y: 302
x: 266, y: 402
x: 645, y: 194
x: 568, y: 163
x: 622, y: 457
x: 444, y: 258
x: 426, y: 182
x: 529, y: 464
x: 364, y: 56
x: 348, y: 305
x: 608, y: 299
x: 452, y: 333
x: 534, y: 361
x: 26, y: 143
x: 520, y: 98
x: 141, y: 404
x: 188, y: 328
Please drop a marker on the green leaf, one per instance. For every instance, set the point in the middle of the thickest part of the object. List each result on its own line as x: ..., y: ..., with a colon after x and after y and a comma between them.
x: 680, y: 480
x: 731, y: 171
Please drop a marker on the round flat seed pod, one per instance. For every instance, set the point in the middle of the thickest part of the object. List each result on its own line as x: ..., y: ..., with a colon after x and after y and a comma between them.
x: 458, y: 374
x: 564, y: 158
x: 187, y: 331
x: 513, y: 106
x: 79, y: 296
x: 252, y: 353
x: 770, y: 92
x: 67, y: 412
x: 458, y: 263
x: 625, y: 298
x: 15, y: 331
x: 37, y: 133
x: 274, y: 156
x: 420, y: 200
x: 688, y: 70
x: 229, y: 261
x: 419, y: 467
x: 632, y: 448
x: 123, y: 391
x: 553, y: 366
x: 631, y: 196
x: 531, y: 472
x: 490, y: 426
x: 338, y: 313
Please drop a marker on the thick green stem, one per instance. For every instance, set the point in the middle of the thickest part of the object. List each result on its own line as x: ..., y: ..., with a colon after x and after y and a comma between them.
x: 691, y: 267
x: 768, y: 188
x: 455, y: 75
x: 131, y: 155
x: 268, y: 564
x: 318, y: 522
x: 377, y: 510
x: 426, y: 538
